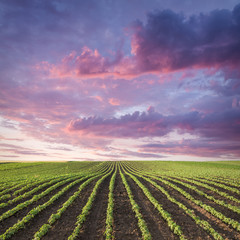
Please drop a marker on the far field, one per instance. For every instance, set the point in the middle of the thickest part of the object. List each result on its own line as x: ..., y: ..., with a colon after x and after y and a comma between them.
x: 120, y: 200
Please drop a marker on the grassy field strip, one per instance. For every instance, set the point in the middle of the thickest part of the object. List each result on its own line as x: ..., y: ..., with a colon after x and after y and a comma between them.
x: 86, y: 209
x: 55, y: 216
x: 175, y: 228
x: 221, y: 185
x: 21, y: 224
x: 141, y: 222
x: 211, y: 210
x: 219, y: 202
x: 109, y: 217
x: 208, y: 208
x: 223, y: 194
x: 33, y: 199
x: 202, y: 223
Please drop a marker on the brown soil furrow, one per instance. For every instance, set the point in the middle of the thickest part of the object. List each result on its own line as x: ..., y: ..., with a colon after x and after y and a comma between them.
x: 218, y: 225
x: 64, y: 226
x: 5, y: 224
x: 34, y: 225
x: 94, y: 226
x: 155, y: 223
x: 124, y: 221
x: 190, y: 229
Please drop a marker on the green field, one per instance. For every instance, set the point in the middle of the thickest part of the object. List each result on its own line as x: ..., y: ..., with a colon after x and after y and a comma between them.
x: 120, y: 200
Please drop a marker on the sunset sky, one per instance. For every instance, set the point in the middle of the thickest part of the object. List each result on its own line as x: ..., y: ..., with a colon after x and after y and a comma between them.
x: 119, y: 80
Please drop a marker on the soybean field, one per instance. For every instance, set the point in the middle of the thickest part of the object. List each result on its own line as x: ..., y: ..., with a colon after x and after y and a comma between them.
x: 120, y: 200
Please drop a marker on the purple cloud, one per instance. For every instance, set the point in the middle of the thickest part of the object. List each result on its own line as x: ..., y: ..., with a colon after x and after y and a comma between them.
x: 171, y: 41
x: 218, y: 125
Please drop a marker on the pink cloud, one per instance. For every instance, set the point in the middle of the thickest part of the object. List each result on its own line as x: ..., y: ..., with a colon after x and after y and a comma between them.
x: 168, y: 42
x: 114, y: 101
x: 146, y: 124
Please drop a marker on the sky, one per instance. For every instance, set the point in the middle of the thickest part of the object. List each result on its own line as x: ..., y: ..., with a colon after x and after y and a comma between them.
x: 119, y: 80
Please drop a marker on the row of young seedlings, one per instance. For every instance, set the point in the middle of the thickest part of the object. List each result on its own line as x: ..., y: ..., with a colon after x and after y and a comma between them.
x: 55, y: 216
x: 35, y: 198
x: 222, y: 185
x: 217, y: 201
x: 21, y: 224
x: 208, y: 208
x: 213, y: 189
x: 86, y: 209
x: 11, y: 188
x: 38, y: 182
x: 222, y: 179
x: 175, y: 228
x: 25, y: 185
x: 141, y: 222
x: 202, y: 223
x: 30, y: 193
x: 109, y: 216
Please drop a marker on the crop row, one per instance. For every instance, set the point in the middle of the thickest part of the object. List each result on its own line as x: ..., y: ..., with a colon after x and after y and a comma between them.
x: 219, y: 202
x: 130, y: 175
x: 166, y: 216
x: 86, y: 209
x: 231, y: 182
x: 222, y: 185
x: 213, y: 189
x: 141, y: 222
x: 109, y: 217
x: 21, y: 224
x: 55, y: 216
x: 35, y: 198
x: 208, y: 208
x: 202, y: 223
x: 31, y: 192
